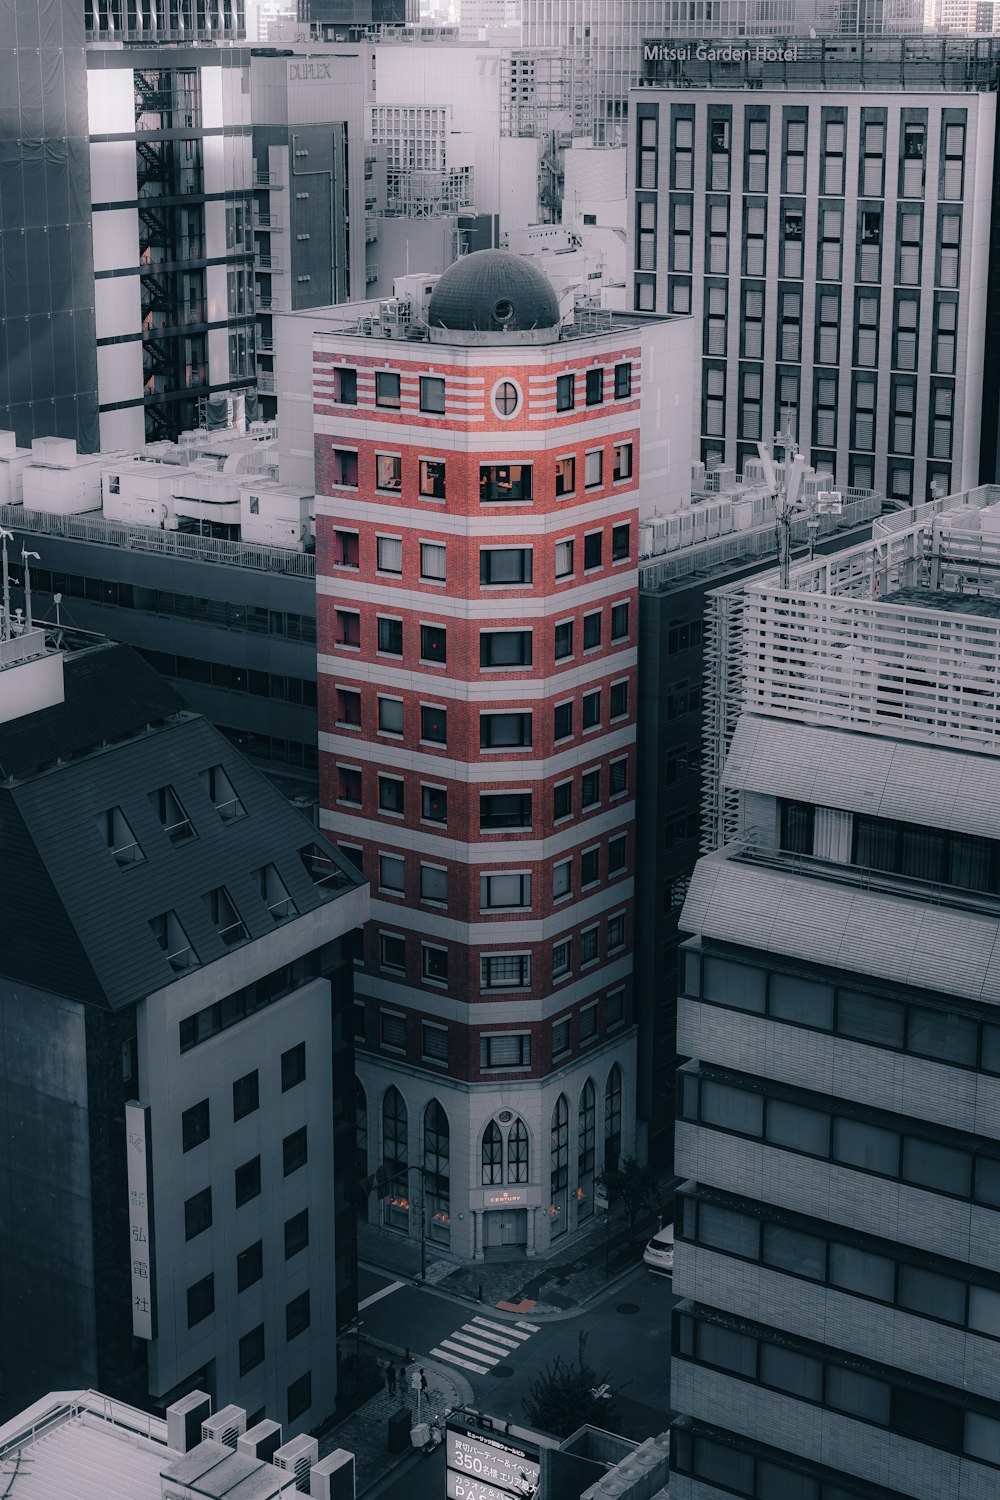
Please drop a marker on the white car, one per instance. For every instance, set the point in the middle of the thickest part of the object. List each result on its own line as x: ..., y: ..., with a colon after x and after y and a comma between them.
x: 659, y: 1253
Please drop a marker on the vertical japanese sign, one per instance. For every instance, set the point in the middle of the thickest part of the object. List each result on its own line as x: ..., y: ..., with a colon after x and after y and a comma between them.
x: 140, y: 1250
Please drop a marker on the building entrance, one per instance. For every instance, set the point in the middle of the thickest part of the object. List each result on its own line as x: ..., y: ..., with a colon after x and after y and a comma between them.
x: 505, y: 1227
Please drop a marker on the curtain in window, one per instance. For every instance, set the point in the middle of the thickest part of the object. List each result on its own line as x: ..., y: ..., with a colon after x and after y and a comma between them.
x: 923, y: 852
x: 832, y: 835
x: 969, y: 863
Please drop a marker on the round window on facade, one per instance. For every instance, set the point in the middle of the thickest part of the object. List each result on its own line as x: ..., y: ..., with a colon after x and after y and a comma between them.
x: 506, y: 398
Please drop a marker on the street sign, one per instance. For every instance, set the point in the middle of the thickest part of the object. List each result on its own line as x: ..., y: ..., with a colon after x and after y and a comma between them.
x: 491, y: 1459
x: 462, y: 1487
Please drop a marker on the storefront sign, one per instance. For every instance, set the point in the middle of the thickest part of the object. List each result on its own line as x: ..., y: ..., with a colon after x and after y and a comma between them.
x: 505, y: 1199
x: 141, y: 1262
x: 488, y: 1459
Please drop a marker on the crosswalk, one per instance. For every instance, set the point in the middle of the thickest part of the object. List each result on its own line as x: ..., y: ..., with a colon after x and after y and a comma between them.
x: 482, y: 1343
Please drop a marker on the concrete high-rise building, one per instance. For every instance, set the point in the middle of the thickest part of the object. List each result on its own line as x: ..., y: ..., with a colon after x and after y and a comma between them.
x: 178, y: 1179
x: 477, y: 496
x: 824, y: 216
x: 48, y: 366
x: 173, y: 231
x: 838, y: 1125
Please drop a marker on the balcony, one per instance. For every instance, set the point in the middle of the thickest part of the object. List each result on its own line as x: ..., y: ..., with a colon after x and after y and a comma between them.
x: 266, y: 180
x: 265, y: 382
x: 268, y: 263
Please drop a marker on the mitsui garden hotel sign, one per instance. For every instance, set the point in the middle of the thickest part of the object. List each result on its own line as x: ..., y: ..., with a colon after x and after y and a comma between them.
x: 740, y: 51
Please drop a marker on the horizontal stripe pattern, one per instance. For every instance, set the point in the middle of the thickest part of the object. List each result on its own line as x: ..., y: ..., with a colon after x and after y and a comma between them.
x: 483, y: 1343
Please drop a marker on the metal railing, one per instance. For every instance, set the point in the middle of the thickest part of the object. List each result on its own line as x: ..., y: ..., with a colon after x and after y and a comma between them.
x: 93, y: 528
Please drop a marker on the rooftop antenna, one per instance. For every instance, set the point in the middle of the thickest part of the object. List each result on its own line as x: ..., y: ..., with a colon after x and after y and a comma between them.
x: 5, y: 537
x: 27, y: 584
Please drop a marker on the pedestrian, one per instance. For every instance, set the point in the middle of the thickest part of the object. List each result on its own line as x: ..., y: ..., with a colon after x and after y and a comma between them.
x: 423, y: 1379
x: 402, y: 1381
x: 390, y: 1379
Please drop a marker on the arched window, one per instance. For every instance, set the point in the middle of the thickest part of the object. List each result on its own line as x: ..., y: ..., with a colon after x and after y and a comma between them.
x: 517, y: 1152
x: 492, y: 1155
x: 361, y: 1137
x: 613, y: 1119
x: 585, y: 1151
x: 395, y: 1159
x: 559, y: 1168
x: 437, y: 1173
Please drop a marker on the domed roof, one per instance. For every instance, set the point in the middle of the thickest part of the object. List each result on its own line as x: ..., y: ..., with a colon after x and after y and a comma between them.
x: 495, y: 295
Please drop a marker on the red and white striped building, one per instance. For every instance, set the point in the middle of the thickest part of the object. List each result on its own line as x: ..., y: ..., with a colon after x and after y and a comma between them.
x: 476, y: 533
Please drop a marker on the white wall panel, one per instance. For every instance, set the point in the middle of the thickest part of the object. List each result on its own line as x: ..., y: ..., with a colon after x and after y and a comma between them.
x: 122, y: 429
x: 112, y: 172
x: 116, y: 301
x: 215, y: 290
x: 119, y: 372
x: 110, y: 100
x: 116, y: 238
x: 218, y: 356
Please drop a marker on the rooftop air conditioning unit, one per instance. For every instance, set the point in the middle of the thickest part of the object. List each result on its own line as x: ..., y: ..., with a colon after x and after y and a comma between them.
x: 184, y: 1419
x: 333, y: 1477
x: 297, y: 1457
x: 225, y: 1426
x: 261, y: 1441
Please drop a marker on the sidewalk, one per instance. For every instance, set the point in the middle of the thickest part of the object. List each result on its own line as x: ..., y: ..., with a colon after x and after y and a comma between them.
x: 365, y: 1432
x: 555, y: 1287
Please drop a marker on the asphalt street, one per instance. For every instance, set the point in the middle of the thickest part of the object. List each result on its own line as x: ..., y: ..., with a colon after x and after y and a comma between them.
x: 500, y: 1354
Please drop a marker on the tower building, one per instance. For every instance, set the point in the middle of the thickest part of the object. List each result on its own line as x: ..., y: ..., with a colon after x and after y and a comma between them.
x: 477, y: 507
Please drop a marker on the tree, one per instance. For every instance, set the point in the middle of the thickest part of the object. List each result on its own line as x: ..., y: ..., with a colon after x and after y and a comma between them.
x: 564, y: 1396
x: 634, y: 1187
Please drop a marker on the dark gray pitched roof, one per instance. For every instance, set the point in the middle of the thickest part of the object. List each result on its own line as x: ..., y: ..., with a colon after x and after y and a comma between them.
x: 73, y: 921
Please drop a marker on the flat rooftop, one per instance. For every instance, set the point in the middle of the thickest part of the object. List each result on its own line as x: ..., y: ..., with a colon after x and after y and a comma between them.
x: 948, y: 601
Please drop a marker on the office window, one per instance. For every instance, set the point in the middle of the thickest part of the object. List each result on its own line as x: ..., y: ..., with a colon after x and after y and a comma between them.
x: 825, y: 414
x: 565, y: 476
x: 750, y: 403
x: 561, y: 958
x: 679, y: 295
x: 588, y: 946
x: 505, y: 483
x: 910, y: 239
x: 864, y: 412
x: 592, y: 709
x: 431, y: 393
x: 390, y: 636
x: 299, y: 1396
x: 296, y: 1233
x: 433, y: 804
x: 680, y: 236
x: 945, y: 326
x: 505, y: 971
x: 619, y: 700
x: 294, y: 1151
x: 791, y: 242
x: 647, y: 149
x: 246, y: 1095
x: 715, y: 320
x: 293, y: 1067
x: 505, y: 648
x: 432, y: 478
x: 349, y: 707
x: 388, y: 472
x: 562, y: 801
x: 296, y: 1316
x: 616, y: 932
x: 682, y: 158
x: 866, y: 330
x: 593, y: 471
x: 195, y: 1125
x: 345, y: 386
x: 717, y: 225
x: 715, y: 400
x: 505, y: 566
x: 755, y: 164
x: 949, y: 240
x: 594, y: 387
x: 224, y: 917
x: 870, y: 245
x: 345, y: 468
x: 246, y: 1181
x: 752, y: 332
x: 390, y: 715
x: 349, y: 786
x: 618, y: 854
x: 504, y: 731
x: 872, y: 159
x: 588, y: 1023
x: 504, y: 890
x: 391, y: 795
x: 562, y: 721
x: 345, y: 549
x: 500, y: 810
x: 564, y: 639
x: 794, y: 162
x: 560, y: 1037
x: 173, y: 819
x: 200, y: 1301
x: 434, y: 1042
x: 913, y: 152
x: 942, y: 414
x: 828, y: 327
x: 623, y: 381
x: 952, y: 161
x: 434, y: 644
x: 754, y: 239
x: 434, y: 963
x: 833, y: 158
x: 391, y: 874
x: 564, y: 392
x: 505, y: 1049
x: 348, y: 628
x: 592, y: 630
x: 392, y: 1031
x: 251, y: 1349
x: 249, y: 1266
x: 432, y: 562
x: 718, y: 145
x: 392, y: 952
x: 434, y: 884
x: 618, y: 776
x: 389, y: 552
x: 645, y: 234
x: 831, y: 241
x: 590, y: 788
x: 562, y: 879
x: 622, y: 468
x: 386, y: 388
x: 564, y: 558
x: 198, y: 1214
x: 903, y: 406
